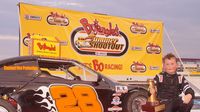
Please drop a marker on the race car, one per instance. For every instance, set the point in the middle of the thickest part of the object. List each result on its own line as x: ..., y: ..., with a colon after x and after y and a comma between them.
x: 38, y: 84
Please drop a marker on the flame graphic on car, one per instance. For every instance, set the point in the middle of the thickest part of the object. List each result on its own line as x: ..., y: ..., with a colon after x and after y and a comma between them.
x: 46, y: 99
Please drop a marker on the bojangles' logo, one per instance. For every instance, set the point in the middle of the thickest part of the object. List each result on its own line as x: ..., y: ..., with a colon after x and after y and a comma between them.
x: 138, y: 28
x: 153, y: 49
x: 94, y: 39
x: 138, y: 67
x: 44, y: 46
x: 57, y: 19
x: 95, y: 28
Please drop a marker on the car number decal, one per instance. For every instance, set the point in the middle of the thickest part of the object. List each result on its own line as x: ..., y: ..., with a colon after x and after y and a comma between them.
x: 65, y: 98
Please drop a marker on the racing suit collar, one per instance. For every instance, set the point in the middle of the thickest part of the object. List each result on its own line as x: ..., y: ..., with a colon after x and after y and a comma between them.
x: 170, y: 75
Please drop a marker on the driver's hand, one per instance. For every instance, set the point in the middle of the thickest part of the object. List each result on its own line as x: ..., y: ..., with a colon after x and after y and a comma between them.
x: 187, y: 98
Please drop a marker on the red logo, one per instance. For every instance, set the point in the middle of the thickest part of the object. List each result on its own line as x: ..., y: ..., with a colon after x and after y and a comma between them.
x: 138, y: 67
x: 153, y: 49
x: 101, y: 66
x: 95, y: 28
x: 57, y: 19
x: 27, y: 39
x: 45, y: 47
x: 138, y: 28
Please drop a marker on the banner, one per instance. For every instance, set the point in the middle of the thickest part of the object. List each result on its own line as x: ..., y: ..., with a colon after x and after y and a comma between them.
x: 108, y: 44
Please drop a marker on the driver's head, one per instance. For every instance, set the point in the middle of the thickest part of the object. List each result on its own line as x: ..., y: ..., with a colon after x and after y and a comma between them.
x: 170, y: 63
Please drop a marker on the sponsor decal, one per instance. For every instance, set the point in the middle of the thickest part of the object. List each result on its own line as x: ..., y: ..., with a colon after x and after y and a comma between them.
x: 115, y: 109
x: 153, y: 48
x: 45, y: 48
x: 101, y: 66
x: 78, y: 97
x: 94, y: 39
x: 121, y: 89
x: 155, y: 31
x: 57, y: 19
x: 116, y: 101
x: 117, y: 94
x: 98, y: 29
x: 20, y: 68
x: 138, y: 28
x: 154, y: 67
x: 26, y: 39
x: 138, y: 67
x: 32, y: 17
x: 136, y: 48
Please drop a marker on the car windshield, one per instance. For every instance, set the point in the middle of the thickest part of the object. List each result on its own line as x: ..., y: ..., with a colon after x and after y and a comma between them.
x: 70, y: 70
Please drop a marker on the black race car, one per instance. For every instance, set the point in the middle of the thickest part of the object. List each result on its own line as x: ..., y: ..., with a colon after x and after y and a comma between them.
x: 36, y: 84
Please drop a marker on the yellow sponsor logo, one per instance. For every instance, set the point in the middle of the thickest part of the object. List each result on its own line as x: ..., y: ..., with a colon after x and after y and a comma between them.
x: 20, y: 68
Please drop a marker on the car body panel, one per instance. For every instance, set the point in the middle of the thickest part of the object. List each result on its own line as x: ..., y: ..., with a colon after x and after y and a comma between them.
x: 29, y: 81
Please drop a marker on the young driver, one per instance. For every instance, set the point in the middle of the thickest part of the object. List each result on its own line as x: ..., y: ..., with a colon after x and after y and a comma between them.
x: 170, y: 85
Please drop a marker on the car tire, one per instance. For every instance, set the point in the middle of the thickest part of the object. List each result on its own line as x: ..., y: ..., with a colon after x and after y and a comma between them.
x: 135, y: 100
x: 6, y: 107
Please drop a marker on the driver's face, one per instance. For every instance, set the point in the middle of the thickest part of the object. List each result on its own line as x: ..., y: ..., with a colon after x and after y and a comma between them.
x: 170, y: 66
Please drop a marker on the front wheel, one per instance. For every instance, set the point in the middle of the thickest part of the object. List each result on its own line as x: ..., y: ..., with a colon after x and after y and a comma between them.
x: 6, y: 107
x: 135, y: 100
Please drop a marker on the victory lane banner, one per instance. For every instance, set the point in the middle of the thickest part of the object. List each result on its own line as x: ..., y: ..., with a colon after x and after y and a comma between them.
x: 108, y: 44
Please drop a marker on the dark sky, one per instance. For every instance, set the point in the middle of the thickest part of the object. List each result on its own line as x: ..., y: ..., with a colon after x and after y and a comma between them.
x: 181, y: 19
